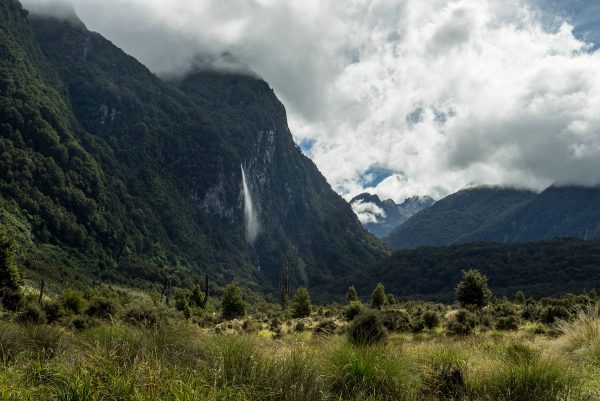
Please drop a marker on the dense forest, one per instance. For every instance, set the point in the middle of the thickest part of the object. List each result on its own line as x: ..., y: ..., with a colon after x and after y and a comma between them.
x: 537, y: 268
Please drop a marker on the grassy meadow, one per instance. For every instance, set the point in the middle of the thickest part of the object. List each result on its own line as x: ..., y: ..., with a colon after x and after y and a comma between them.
x: 116, y: 345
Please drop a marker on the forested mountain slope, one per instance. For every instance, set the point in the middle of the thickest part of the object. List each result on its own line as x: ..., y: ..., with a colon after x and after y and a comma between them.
x: 504, y: 215
x: 109, y: 172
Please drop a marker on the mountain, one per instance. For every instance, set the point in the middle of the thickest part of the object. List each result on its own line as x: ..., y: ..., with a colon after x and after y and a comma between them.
x: 545, y: 268
x: 457, y: 216
x: 108, y: 172
x: 504, y: 215
x: 381, y: 217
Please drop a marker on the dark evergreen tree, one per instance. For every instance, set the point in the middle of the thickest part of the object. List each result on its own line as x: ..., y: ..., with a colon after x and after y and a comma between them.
x: 302, y: 306
x: 378, y: 297
x: 351, y: 295
x: 232, y: 305
x: 473, y: 289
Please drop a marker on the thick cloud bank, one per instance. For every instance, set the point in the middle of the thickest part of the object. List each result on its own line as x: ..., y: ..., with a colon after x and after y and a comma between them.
x: 437, y: 94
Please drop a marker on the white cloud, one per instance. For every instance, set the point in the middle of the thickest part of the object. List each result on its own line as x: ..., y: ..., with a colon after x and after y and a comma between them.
x: 368, y: 212
x: 441, y: 93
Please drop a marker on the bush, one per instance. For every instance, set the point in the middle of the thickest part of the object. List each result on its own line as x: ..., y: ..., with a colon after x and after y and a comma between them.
x: 507, y: 323
x: 10, y: 299
x: 367, y: 329
x: 142, y: 315
x: 378, y: 297
x: 353, y: 309
x: 302, y: 306
x: 72, y: 300
x: 31, y: 313
x: 552, y: 313
x: 473, y: 289
x: 325, y: 327
x: 53, y: 310
x: 396, y: 321
x: 431, y: 319
x: 102, y: 307
x: 300, y: 327
x: 233, y: 305
x: 461, y: 323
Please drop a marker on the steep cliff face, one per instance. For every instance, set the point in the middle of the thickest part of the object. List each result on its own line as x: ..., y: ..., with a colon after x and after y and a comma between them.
x: 163, y: 184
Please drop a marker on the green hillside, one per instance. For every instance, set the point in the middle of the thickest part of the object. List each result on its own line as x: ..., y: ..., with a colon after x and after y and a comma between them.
x: 503, y: 215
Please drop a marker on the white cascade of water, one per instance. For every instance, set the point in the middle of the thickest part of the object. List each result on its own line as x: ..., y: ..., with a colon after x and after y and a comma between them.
x: 250, y: 215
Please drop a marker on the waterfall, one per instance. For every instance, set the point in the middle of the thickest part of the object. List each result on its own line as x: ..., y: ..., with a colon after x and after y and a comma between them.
x: 250, y: 216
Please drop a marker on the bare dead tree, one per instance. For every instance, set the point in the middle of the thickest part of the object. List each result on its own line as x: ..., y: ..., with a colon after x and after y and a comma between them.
x: 167, y: 285
x: 42, y: 287
x: 285, y: 277
x: 205, y: 291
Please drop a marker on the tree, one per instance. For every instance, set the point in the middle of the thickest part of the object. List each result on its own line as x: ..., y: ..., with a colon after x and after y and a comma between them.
x: 9, y: 274
x: 520, y: 297
x: 473, y: 289
x: 232, y: 305
x: 378, y: 297
x: 351, y: 295
x: 302, y: 306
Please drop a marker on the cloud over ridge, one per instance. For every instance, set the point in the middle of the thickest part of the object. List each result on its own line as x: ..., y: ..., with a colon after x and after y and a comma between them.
x: 441, y: 94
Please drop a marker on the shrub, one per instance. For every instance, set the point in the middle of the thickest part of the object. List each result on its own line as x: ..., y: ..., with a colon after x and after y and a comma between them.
x: 396, y: 321
x: 142, y: 314
x: 53, y: 310
x: 72, y: 300
x: 367, y: 329
x: 378, y: 296
x: 325, y: 327
x: 461, y: 323
x: 552, y: 313
x: 431, y: 319
x: 250, y: 326
x: 31, y: 313
x: 302, y: 306
x: 232, y: 305
x: 390, y: 299
x: 300, y: 327
x: 520, y: 297
x: 473, y: 289
x: 507, y: 323
x: 10, y: 299
x: 182, y: 302
x: 102, y: 307
x: 353, y: 309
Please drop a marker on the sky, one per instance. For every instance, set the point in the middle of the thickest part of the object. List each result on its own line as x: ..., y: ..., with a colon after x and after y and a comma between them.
x: 398, y: 97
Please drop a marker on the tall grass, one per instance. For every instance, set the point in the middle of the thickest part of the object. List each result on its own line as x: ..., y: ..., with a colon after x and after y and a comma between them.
x: 183, y: 362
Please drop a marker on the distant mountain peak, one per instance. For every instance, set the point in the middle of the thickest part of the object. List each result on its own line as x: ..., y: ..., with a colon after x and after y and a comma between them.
x: 380, y: 217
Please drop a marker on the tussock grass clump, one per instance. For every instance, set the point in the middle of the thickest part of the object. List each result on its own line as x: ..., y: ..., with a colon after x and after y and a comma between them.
x: 527, y: 375
x: 443, y: 375
x: 367, y: 329
x: 39, y: 340
x: 361, y: 373
x: 582, y: 335
x: 542, y: 380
